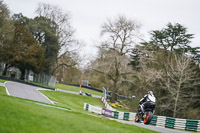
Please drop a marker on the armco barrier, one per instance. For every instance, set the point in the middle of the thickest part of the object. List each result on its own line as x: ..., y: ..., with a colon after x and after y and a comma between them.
x: 107, y: 106
x: 91, y: 88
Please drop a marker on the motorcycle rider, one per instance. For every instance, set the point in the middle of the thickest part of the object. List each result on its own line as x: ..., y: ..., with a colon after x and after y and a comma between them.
x: 149, y: 97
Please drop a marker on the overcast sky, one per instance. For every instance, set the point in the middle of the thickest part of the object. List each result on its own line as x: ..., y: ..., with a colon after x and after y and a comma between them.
x: 87, y: 16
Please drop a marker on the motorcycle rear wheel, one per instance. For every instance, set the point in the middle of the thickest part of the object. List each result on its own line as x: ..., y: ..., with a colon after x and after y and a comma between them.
x: 148, y: 118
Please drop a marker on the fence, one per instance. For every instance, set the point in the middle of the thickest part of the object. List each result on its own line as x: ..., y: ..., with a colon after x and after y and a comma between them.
x: 41, y: 78
x: 91, y: 88
x: 45, y: 79
x: 1, y: 67
x: 107, y: 106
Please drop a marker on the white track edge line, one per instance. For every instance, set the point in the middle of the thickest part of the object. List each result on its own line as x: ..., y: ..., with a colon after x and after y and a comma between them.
x: 45, y: 96
x: 6, y: 88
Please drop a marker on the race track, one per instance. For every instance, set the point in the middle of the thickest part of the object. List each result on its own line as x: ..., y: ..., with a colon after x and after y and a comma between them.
x: 30, y: 92
x: 26, y: 91
x: 154, y: 128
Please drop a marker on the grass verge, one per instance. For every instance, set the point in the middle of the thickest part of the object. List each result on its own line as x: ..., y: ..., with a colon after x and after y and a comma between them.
x: 74, y: 102
x: 22, y: 116
x: 42, y: 85
x: 77, y: 89
x: 2, y: 90
x: 2, y: 81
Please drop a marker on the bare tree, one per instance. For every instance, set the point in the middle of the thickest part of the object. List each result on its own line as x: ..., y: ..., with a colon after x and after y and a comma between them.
x: 179, y: 79
x: 65, y: 31
x: 146, y: 73
x: 173, y: 78
x: 67, y: 42
x: 67, y: 71
x: 119, y: 35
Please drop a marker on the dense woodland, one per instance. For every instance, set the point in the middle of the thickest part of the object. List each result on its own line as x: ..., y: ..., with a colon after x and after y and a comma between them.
x: 126, y: 64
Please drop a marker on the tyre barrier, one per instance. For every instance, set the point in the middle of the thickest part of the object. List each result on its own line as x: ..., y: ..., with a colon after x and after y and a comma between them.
x: 86, y: 106
x: 108, y: 113
x: 176, y: 123
x: 153, y: 121
x: 180, y: 124
x: 115, y: 115
x: 192, y: 125
x: 129, y: 116
x: 126, y: 116
x: 161, y: 121
x: 169, y: 122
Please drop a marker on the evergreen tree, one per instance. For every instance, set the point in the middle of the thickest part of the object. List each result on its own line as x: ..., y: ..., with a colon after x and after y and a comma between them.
x: 28, y: 54
x: 6, y: 35
x: 173, y: 38
x: 44, y: 31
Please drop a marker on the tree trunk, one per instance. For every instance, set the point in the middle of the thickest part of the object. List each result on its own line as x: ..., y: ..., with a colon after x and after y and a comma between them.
x: 177, y: 97
x: 22, y: 75
x: 5, y: 70
x: 115, y: 89
x: 175, y: 105
x: 116, y: 79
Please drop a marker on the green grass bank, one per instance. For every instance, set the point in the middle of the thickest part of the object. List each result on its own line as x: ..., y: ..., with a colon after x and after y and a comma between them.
x: 24, y: 116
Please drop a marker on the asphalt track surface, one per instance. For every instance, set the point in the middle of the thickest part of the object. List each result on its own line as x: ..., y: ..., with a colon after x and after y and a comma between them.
x: 26, y: 91
x: 154, y: 128
x: 77, y: 93
x: 30, y: 92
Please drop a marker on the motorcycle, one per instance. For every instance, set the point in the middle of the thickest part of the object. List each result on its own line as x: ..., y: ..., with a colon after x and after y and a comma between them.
x: 147, y: 115
x: 88, y: 94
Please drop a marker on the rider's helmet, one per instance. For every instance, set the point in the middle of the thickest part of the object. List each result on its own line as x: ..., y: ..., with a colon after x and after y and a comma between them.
x: 150, y: 93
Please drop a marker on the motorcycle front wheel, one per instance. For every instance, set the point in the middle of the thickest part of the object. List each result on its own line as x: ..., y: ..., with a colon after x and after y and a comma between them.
x: 148, y: 117
x: 137, y: 118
